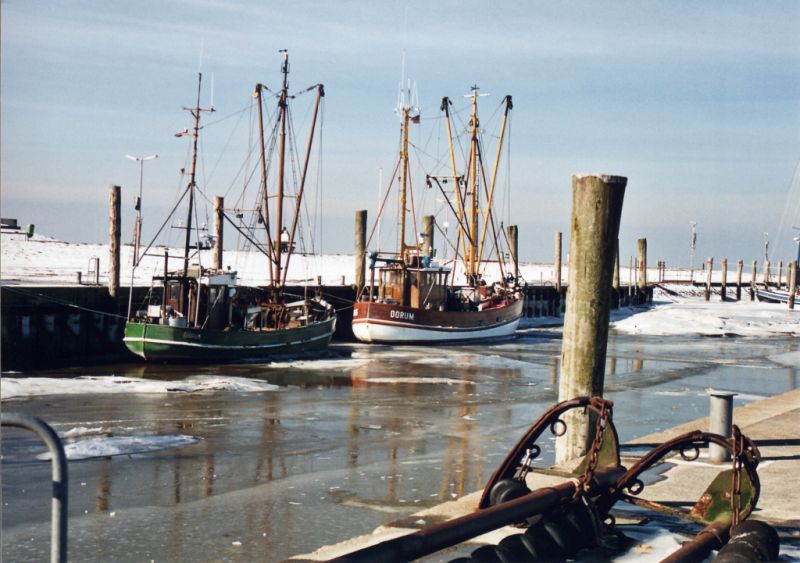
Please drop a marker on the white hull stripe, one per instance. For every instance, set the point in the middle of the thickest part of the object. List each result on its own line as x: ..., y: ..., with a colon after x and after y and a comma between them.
x: 401, y: 324
x: 223, y: 346
x: 373, y: 332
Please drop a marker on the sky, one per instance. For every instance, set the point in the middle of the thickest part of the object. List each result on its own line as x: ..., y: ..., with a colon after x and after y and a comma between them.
x: 698, y: 104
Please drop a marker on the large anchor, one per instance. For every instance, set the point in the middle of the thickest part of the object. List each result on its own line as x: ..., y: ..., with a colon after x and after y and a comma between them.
x: 562, y: 519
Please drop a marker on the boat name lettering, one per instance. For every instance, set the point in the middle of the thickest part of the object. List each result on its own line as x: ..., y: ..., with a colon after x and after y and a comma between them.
x: 405, y: 315
x: 192, y: 335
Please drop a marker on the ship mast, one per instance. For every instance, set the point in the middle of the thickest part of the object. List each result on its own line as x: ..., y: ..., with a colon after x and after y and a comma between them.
x: 196, y: 112
x: 265, y: 216
x: 490, y: 198
x: 472, y: 269
x: 281, y: 243
x: 403, y: 181
x: 281, y: 163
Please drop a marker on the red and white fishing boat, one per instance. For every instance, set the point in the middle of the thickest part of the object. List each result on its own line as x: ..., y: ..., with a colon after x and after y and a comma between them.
x: 411, y: 299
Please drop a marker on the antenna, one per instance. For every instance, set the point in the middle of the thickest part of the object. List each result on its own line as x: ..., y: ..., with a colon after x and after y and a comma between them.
x: 200, y: 60
x: 401, y: 94
x: 474, y: 92
x: 285, y: 62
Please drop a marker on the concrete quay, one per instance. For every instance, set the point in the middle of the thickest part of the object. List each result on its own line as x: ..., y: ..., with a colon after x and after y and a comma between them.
x: 774, y: 423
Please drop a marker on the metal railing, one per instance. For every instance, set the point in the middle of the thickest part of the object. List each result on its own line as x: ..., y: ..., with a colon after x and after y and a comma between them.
x: 58, y: 546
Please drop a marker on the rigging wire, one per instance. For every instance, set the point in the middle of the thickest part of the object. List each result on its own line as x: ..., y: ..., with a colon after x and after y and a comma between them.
x: 790, y: 216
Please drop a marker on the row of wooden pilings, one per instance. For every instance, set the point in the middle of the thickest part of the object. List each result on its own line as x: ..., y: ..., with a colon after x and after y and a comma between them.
x: 790, y: 280
x: 541, y: 300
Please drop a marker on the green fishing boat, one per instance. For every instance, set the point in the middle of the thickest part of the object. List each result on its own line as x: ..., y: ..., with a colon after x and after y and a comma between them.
x: 200, y: 313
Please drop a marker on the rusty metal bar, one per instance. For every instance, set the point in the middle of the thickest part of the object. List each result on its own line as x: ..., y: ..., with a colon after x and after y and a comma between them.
x: 447, y: 534
x: 58, y: 545
x: 712, y: 537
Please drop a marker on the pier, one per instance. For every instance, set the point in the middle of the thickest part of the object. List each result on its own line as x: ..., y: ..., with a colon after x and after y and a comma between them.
x: 770, y: 422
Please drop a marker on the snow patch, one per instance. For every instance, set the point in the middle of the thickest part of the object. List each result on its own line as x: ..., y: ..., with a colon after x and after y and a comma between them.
x: 427, y: 380
x: 320, y: 365
x: 121, y: 445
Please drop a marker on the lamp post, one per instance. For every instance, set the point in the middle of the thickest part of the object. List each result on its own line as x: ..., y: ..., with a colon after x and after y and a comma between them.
x: 692, y: 247
x: 137, y: 229
x: 797, y: 240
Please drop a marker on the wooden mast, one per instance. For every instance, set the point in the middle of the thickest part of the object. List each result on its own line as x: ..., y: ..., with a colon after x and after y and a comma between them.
x: 473, y: 207
x: 456, y: 187
x: 265, y: 216
x: 281, y: 164
x: 299, y: 198
x: 403, y: 182
x: 490, y: 199
x: 195, y: 111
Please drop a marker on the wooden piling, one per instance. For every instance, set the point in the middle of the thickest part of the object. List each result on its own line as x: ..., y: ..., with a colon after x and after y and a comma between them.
x: 792, y: 283
x: 360, y: 249
x: 596, y: 210
x: 557, y: 266
x: 766, y: 274
x: 114, y: 230
x: 216, y: 253
x: 753, y: 276
x: 780, y: 274
x: 708, y: 278
x: 428, y: 221
x: 512, y: 232
x: 641, y: 283
x: 724, y: 286
x: 739, y: 268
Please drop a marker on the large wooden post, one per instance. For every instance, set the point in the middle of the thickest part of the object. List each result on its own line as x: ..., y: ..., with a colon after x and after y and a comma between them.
x: 216, y: 253
x: 753, y: 280
x: 708, y: 279
x: 739, y: 268
x: 724, y: 286
x: 596, y: 210
x: 114, y: 230
x: 361, y: 250
x: 513, y: 243
x: 428, y: 221
x: 792, y: 283
x: 641, y: 282
x: 557, y: 268
x: 766, y: 274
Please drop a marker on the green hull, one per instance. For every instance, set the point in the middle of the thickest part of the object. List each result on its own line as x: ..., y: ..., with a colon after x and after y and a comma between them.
x: 155, y: 342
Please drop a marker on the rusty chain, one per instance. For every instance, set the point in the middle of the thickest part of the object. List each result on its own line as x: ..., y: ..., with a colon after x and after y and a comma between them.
x: 737, y: 452
x: 605, y: 411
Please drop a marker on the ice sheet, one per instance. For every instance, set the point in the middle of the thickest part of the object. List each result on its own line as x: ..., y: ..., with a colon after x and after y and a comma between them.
x: 21, y: 387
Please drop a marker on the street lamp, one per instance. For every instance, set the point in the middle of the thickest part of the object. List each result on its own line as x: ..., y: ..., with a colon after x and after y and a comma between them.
x: 797, y: 240
x: 692, y: 247
x: 137, y: 229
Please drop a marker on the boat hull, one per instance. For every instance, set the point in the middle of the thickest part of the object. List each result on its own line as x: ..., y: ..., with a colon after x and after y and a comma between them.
x: 775, y: 295
x: 393, y: 324
x: 157, y: 342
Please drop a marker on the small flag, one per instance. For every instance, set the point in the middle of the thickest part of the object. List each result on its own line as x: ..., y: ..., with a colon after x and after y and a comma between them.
x: 415, y: 119
x: 182, y: 133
